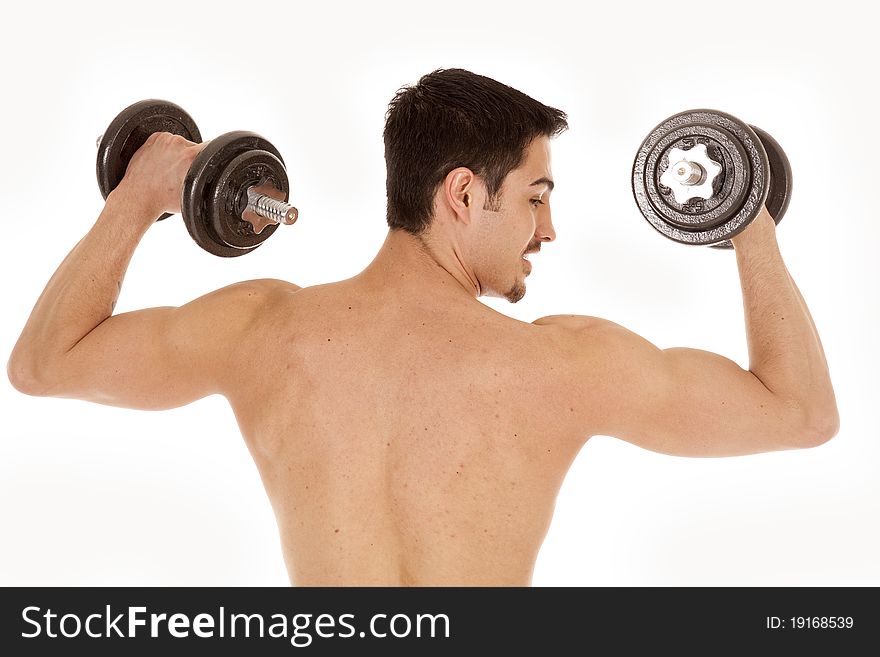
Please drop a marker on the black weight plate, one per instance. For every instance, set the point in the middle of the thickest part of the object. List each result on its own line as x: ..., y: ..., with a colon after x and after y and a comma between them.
x: 779, y: 192
x: 200, y: 193
x: 745, y: 168
x: 729, y: 189
x: 779, y: 195
x: 230, y: 198
x: 128, y: 132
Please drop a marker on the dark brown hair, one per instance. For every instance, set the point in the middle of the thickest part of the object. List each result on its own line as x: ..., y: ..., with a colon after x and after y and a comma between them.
x: 454, y: 118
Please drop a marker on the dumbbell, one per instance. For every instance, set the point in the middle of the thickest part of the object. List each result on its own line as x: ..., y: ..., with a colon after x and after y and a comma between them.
x: 223, y: 206
x: 701, y: 176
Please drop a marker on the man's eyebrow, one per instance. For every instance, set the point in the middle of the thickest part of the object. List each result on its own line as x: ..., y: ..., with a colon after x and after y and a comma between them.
x: 543, y: 181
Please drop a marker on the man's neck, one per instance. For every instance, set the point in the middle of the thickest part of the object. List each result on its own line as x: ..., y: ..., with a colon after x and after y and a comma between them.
x: 412, y: 264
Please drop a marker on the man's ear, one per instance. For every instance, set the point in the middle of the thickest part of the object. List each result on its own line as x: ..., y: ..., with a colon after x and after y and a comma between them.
x: 458, y: 192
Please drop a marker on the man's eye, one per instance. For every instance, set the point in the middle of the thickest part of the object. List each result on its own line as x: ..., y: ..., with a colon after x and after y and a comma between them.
x: 536, y: 202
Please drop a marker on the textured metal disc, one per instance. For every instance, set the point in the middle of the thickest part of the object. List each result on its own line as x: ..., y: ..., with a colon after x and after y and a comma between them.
x: 128, y: 132
x: 780, y: 185
x: 215, y: 192
x: 779, y: 194
x: 729, y: 191
x: 738, y: 192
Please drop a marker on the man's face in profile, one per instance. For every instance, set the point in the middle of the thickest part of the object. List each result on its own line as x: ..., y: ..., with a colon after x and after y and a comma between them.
x: 515, y: 225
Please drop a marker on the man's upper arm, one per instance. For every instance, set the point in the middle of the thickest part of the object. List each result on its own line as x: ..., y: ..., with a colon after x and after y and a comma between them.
x: 684, y: 402
x: 164, y: 357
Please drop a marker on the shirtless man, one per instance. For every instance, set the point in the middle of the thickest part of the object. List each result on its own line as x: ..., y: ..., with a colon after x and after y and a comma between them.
x: 406, y: 433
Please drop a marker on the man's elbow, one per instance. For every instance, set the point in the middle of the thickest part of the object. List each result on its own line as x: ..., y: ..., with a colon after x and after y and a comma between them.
x: 820, y: 428
x: 24, y: 377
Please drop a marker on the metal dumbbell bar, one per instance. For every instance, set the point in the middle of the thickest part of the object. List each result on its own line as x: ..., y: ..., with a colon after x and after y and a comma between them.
x: 223, y: 205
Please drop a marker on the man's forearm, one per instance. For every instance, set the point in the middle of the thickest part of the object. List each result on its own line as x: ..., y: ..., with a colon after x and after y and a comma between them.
x: 83, y: 291
x: 785, y: 351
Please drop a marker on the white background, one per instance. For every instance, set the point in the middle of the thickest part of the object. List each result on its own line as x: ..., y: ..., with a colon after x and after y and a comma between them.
x: 94, y: 495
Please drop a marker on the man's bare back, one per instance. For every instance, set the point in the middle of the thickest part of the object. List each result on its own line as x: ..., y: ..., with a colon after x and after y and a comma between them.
x: 404, y: 440
x: 406, y: 433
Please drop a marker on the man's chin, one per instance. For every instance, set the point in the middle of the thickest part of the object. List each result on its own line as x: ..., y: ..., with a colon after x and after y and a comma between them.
x: 517, y: 292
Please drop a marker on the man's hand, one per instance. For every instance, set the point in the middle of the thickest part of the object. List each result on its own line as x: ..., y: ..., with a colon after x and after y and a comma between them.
x: 759, y: 231
x: 156, y: 173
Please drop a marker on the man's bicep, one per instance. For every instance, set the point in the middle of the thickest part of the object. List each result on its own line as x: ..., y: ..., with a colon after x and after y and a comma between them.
x: 683, y: 402
x: 159, y: 358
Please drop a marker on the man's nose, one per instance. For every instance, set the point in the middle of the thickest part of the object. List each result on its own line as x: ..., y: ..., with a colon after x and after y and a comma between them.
x: 545, y: 231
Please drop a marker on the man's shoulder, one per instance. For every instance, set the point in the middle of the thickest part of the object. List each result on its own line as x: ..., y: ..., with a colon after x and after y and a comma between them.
x: 265, y: 285
x: 574, y: 323
x: 256, y: 291
x: 585, y: 339
x: 243, y: 299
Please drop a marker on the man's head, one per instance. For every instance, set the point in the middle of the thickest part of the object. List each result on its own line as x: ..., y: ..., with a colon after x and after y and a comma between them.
x: 468, y: 164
